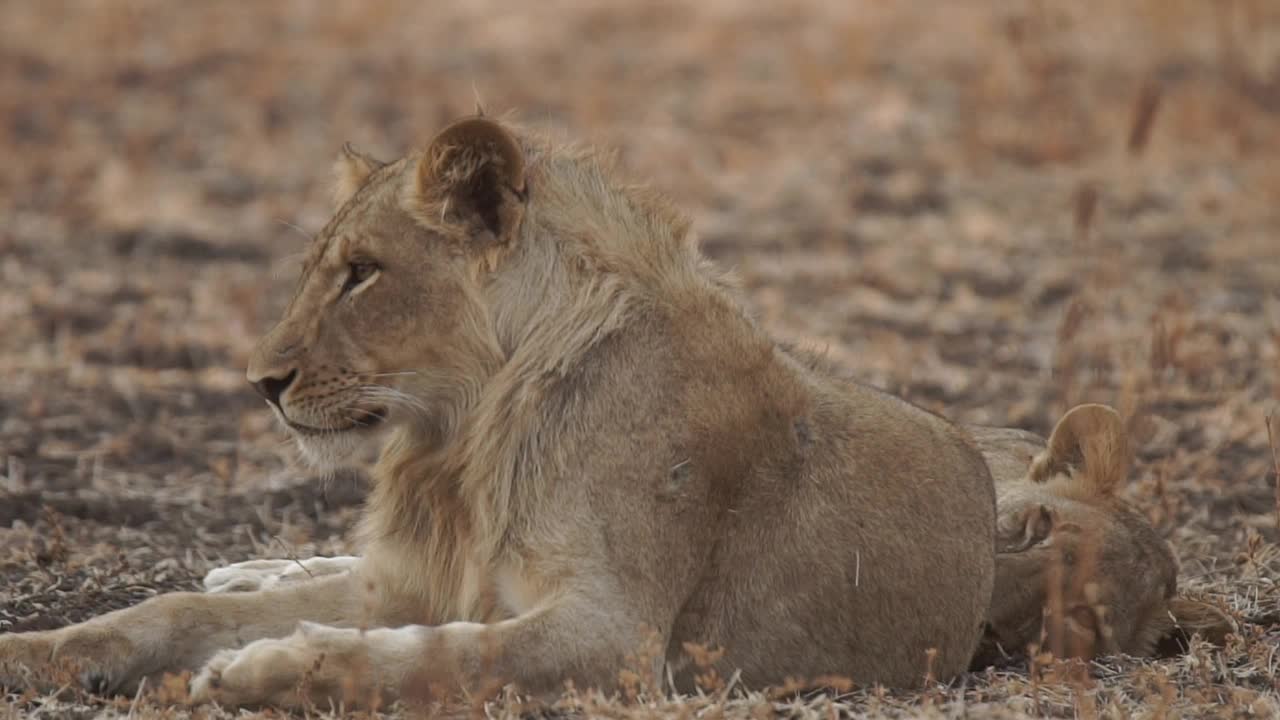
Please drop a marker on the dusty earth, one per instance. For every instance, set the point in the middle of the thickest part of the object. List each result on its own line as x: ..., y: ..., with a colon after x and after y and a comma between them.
x: 994, y: 209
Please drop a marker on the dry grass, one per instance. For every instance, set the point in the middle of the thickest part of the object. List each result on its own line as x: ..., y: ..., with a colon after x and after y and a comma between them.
x: 994, y: 209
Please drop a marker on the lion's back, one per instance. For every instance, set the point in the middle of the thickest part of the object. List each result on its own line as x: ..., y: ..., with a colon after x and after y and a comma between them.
x: 874, y: 543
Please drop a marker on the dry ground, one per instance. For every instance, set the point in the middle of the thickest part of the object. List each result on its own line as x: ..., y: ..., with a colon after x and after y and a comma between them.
x: 994, y: 209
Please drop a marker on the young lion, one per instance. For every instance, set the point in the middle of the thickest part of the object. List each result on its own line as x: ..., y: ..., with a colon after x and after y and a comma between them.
x: 592, y: 447
x: 1060, y: 526
x: 1078, y: 570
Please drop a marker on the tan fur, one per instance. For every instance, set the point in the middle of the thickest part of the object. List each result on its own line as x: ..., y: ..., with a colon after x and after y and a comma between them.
x: 350, y: 171
x: 1078, y: 570
x: 590, y: 446
x: 1127, y: 579
x: 1091, y: 439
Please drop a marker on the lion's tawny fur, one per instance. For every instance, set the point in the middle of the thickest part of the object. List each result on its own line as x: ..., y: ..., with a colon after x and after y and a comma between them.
x: 593, y: 445
x: 1080, y: 571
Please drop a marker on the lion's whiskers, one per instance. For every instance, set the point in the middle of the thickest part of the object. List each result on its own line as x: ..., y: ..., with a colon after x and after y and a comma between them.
x: 300, y: 231
x: 392, y: 397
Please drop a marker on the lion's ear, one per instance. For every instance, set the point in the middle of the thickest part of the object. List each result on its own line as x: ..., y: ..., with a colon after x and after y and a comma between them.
x: 473, y: 171
x: 1091, y: 441
x: 350, y: 171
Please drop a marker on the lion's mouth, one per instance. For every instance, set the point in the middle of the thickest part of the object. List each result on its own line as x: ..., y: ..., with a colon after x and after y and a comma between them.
x: 367, y: 420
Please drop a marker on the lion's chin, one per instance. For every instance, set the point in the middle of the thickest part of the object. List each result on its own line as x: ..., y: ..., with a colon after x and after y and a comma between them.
x: 326, y: 449
x: 331, y: 451
x: 324, y: 454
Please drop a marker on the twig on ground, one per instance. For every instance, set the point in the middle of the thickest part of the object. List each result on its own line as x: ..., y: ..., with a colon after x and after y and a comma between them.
x: 1275, y: 459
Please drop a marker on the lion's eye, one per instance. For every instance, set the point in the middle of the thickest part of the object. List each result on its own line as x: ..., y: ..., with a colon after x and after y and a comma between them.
x: 359, y: 272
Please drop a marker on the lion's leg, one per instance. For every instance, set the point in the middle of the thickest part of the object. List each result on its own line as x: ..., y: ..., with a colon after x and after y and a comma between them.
x: 174, y: 632
x: 266, y: 574
x: 578, y: 639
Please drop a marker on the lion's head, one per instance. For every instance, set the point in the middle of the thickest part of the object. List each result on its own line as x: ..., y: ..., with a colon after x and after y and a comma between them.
x: 1077, y: 568
x: 387, y: 326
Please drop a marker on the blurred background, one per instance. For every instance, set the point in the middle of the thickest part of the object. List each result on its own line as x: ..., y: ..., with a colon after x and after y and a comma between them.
x: 996, y: 210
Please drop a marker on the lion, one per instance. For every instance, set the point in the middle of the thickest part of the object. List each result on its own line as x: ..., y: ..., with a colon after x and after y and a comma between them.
x: 1061, y: 525
x: 590, y: 448
x: 1080, y: 572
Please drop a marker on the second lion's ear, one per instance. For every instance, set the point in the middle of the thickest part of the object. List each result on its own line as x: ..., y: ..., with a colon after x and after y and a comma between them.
x: 1090, y: 443
x: 472, y: 175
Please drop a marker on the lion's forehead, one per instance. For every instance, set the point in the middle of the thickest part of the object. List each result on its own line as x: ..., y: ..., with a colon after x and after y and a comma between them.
x: 373, y: 201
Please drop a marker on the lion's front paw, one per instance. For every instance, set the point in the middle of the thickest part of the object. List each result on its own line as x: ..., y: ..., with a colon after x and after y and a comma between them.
x: 266, y: 574
x: 316, y: 665
x: 266, y: 672
x: 101, y: 660
x: 98, y: 660
x: 25, y: 660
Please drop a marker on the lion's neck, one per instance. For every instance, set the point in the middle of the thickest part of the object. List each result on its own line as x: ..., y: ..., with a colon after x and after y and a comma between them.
x: 456, y: 498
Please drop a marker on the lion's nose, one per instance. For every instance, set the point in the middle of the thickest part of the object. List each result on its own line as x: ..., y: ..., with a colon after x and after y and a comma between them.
x: 272, y: 388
